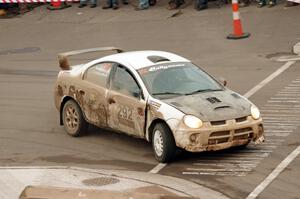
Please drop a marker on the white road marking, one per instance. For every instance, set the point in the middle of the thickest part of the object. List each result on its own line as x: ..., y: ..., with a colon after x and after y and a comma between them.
x: 191, y: 173
x: 280, y: 126
x: 292, y: 87
x: 240, y: 155
x: 216, y: 173
x: 278, y: 131
x: 269, y: 78
x: 295, y: 115
x: 273, y: 175
x: 288, y: 91
x: 292, y: 110
x: 232, y: 159
x: 248, y: 164
x: 279, y: 105
x: 287, y: 94
x: 277, y: 134
x: 295, y: 58
x: 277, y: 123
x: 285, y: 98
x: 286, y: 101
x: 274, y: 140
x: 253, y: 151
x: 275, y: 118
x: 157, y: 168
x: 218, y: 169
x: 271, y: 146
x: 229, y: 159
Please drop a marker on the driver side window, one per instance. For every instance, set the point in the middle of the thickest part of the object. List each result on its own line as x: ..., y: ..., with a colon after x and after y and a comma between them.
x: 124, y: 83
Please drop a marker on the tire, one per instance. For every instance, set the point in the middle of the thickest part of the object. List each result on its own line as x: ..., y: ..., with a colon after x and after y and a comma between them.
x: 73, y: 119
x: 163, y: 143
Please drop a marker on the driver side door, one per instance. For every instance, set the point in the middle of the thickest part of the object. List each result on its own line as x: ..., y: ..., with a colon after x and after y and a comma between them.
x: 126, y: 104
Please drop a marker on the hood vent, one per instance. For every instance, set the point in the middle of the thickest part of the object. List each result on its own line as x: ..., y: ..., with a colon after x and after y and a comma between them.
x: 220, y: 107
x: 156, y: 59
x: 213, y: 100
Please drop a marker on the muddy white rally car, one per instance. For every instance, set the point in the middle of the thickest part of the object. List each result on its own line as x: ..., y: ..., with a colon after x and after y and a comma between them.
x: 158, y: 96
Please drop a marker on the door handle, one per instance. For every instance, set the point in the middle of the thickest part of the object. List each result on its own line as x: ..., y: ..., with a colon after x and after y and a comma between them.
x: 111, y: 101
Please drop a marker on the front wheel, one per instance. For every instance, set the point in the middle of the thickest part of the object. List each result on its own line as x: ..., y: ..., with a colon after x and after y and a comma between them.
x: 73, y: 119
x: 163, y: 143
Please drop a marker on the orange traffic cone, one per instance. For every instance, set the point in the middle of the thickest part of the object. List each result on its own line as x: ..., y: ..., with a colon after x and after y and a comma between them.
x: 58, y: 5
x: 237, y: 24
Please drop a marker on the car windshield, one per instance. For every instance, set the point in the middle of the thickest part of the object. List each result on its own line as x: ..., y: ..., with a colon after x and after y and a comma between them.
x: 175, y: 79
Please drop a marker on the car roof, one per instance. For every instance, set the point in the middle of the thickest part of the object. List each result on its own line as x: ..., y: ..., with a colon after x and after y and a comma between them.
x: 142, y: 59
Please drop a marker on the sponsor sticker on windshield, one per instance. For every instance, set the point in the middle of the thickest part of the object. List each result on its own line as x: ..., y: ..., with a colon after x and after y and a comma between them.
x: 163, y: 67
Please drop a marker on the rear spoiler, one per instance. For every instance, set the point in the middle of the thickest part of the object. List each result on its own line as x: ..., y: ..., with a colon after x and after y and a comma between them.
x: 63, y: 57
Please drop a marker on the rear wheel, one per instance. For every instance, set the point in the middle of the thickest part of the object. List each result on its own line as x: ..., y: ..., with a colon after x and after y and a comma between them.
x: 73, y: 119
x: 163, y: 143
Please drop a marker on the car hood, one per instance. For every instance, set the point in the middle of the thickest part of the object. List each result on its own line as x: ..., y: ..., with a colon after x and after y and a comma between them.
x: 212, y: 106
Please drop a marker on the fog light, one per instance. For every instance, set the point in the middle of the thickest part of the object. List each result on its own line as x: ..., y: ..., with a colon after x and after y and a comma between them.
x: 193, y: 137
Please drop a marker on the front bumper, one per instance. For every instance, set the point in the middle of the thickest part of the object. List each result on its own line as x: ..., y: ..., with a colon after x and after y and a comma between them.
x: 219, y: 135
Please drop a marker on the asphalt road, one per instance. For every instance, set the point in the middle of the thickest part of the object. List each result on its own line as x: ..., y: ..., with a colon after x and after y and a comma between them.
x: 29, y: 125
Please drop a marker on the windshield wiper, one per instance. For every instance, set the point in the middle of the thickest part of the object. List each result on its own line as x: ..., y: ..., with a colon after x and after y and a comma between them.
x: 202, y: 90
x: 168, y: 93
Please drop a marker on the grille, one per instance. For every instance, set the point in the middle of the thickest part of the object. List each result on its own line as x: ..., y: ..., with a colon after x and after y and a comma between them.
x: 244, y: 133
x: 219, y: 133
x: 216, y: 123
x: 217, y: 141
x: 243, y: 137
x: 241, y: 119
x: 218, y: 137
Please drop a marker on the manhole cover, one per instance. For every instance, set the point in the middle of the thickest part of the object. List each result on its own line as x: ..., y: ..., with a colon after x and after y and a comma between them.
x: 100, y: 181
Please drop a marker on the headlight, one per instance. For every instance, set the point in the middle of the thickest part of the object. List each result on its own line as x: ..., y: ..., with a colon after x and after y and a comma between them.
x: 255, y: 112
x: 192, y: 121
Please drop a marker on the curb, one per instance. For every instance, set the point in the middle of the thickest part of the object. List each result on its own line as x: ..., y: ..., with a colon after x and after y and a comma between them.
x: 39, y: 192
x: 296, y: 48
x: 186, y: 187
x: 178, y: 185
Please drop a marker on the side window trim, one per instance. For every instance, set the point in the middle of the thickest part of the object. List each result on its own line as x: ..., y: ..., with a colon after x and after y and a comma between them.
x: 112, y: 75
x: 113, y: 72
x: 110, y: 72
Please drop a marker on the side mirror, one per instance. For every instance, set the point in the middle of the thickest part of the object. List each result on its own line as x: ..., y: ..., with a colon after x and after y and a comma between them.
x: 223, y: 81
x: 137, y: 94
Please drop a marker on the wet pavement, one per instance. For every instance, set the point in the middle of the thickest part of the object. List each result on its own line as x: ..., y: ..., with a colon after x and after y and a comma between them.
x: 30, y: 134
